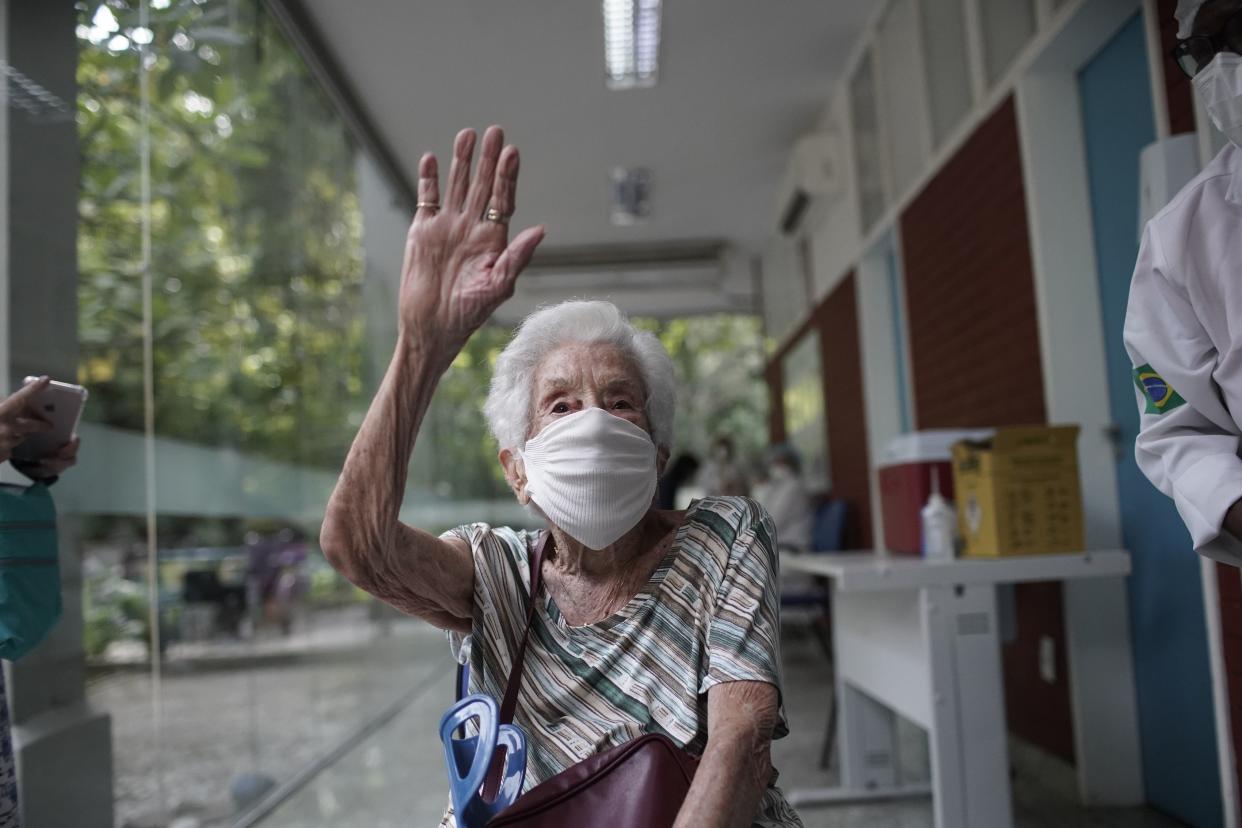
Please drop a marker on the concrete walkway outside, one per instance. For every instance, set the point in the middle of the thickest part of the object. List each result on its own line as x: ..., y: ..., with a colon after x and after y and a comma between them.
x: 253, y: 711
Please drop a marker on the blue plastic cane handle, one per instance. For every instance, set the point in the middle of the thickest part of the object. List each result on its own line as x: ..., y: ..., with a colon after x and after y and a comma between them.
x: 469, y: 758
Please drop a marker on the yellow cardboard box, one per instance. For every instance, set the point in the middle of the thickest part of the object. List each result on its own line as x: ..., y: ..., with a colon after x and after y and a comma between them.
x: 1018, y: 493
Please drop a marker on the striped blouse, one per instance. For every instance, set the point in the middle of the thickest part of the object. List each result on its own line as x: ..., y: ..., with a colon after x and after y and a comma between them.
x: 709, y: 614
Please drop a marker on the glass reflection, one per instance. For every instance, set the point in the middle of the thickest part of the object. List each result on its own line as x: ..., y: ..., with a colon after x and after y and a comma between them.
x: 259, y: 657
x: 258, y: 662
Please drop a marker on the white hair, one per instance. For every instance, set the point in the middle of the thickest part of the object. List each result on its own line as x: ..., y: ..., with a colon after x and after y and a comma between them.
x: 508, y: 406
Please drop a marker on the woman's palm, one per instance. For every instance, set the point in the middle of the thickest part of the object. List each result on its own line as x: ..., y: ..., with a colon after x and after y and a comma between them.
x: 459, y: 265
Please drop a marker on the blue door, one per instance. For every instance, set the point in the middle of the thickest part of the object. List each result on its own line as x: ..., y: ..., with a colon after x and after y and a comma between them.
x: 1172, y: 671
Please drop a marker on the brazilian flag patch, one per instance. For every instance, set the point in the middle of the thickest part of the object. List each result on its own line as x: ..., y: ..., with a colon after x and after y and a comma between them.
x: 1160, y: 396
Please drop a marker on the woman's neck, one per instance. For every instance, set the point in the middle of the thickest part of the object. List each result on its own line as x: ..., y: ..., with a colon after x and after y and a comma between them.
x: 569, y: 557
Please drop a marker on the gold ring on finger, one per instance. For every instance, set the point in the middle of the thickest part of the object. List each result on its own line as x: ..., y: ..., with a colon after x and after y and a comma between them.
x: 495, y: 215
x: 430, y: 205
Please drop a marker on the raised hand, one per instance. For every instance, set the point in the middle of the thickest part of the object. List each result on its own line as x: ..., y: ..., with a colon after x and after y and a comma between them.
x: 459, y: 263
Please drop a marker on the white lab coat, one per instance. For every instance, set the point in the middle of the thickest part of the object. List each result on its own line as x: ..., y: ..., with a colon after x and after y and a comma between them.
x: 789, y: 505
x: 1184, y: 319
x: 787, y: 502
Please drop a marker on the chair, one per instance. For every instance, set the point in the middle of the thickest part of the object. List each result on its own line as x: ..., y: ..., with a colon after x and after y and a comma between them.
x: 827, y: 535
x: 828, y: 530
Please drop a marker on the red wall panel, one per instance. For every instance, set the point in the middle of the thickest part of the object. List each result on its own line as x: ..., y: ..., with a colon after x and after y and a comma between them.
x: 776, y: 402
x: 1178, y: 94
x: 835, y: 320
x: 970, y: 292
x: 975, y: 361
x: 848, y: 461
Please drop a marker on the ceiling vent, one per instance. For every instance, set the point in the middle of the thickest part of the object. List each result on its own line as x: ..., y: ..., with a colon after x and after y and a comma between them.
x: 631, y: 196
x: 814, y: 173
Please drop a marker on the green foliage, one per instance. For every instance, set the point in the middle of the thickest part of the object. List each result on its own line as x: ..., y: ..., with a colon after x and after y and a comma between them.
x: 719, y: 362
x: 256, y: 256
x: 259, y: 336
x: 456, y: 456
x: 114, y: 609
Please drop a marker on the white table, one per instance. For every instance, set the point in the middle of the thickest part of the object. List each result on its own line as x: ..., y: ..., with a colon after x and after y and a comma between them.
x: 921, y: 639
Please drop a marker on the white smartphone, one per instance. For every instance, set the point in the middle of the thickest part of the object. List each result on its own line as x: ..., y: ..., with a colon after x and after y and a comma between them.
x: 61, y: 404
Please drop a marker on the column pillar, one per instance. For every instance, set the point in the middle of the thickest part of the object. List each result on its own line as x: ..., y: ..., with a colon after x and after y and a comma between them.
x: 63, y: 747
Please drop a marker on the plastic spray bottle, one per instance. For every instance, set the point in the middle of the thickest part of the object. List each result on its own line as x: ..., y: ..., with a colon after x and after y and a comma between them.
x: 939, y: 524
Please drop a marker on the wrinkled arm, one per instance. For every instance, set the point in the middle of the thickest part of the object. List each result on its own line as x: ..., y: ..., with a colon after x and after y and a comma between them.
x: 737, y: 764
x: 1184, y: 453
x: 458, y: 268
x: 414, y: 571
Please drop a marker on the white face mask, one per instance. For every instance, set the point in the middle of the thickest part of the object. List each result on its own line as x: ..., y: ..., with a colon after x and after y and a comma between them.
x: 592, y: 474
x: 781, y: 472
x: 1219, y: 85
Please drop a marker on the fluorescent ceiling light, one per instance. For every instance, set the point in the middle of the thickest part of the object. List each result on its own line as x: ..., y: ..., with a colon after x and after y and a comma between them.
x: 631, y: 42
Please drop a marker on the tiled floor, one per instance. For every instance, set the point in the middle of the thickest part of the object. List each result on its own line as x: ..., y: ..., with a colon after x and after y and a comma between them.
x: 396, y: 777
x: 1044, y: 788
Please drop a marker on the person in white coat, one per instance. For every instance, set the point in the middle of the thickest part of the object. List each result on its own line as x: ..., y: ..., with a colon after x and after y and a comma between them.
x: 783, y: 493
x: 1183, y: 328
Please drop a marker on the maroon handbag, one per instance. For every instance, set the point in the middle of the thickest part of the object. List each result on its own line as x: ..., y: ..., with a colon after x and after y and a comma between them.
x: 639, y: 784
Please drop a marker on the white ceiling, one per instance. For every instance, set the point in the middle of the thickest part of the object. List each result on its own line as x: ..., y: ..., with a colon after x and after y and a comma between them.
x: 740, y: 80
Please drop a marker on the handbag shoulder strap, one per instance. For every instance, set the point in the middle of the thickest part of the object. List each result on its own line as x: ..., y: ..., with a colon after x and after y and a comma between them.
x: 509, y: 704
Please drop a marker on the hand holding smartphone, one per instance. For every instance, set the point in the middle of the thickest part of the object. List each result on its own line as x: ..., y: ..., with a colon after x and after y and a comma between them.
x: 60, y: 405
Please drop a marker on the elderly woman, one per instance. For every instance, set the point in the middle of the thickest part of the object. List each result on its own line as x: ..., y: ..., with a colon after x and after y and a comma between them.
x: 648, y: 620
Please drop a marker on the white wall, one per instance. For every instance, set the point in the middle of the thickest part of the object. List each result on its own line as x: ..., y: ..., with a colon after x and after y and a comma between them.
x: 948, y: 68
x: 833, y: 224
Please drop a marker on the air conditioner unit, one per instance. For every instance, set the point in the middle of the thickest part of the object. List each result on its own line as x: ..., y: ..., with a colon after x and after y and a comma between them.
x: 814, y: 172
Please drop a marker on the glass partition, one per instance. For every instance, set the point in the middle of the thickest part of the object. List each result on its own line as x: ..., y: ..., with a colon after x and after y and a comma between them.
x: 805, y: 413
x: 235, y: 298
x: 948, y: 65
x: 1007, y: 26
x: 865, y: 120
x: 229, y: 654
x: 903, y: 96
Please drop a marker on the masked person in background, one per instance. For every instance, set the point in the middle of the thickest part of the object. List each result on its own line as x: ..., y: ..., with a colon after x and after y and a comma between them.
x: 721, y: 474
x: 1185, y: 306
x: 32, y: 592
x: 783, y: 493
x: 647, y: 620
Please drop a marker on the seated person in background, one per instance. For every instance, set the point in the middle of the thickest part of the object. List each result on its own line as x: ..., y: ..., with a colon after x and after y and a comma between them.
x: 784, y: 495
x: 647, y: 620
x: 722, y: 474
